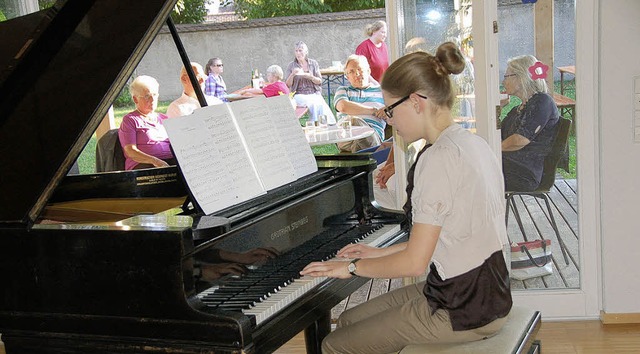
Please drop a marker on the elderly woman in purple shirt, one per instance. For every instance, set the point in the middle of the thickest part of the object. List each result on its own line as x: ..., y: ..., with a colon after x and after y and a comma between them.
x: 143, y: 138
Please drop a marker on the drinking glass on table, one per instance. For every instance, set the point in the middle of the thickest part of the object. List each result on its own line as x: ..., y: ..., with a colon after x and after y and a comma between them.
x: 345, y: 127
x: 310, y: 128
x: 322, y: 122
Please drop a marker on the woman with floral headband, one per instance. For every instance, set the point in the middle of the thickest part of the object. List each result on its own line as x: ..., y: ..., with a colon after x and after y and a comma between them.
x: 528, y: 129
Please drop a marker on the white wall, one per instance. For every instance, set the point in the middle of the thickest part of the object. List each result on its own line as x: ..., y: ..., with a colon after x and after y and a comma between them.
x: 620, y: 156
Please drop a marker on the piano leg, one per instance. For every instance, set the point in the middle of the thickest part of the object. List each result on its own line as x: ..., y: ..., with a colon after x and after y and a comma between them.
x: 315, y: 333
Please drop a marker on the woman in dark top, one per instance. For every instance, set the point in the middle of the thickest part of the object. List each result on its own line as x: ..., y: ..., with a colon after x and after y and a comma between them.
x: 528, y: 129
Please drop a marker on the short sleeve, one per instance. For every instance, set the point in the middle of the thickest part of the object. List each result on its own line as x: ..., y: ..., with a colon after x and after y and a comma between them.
x: 128, y: 131
x: 289, y: 70
x: 315, y: 68
x: 174, y: 110
x: 341, y: 94
x: 436, y: 180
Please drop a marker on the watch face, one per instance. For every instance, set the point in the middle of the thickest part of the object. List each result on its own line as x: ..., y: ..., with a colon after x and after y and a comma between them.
x: 351, y: 268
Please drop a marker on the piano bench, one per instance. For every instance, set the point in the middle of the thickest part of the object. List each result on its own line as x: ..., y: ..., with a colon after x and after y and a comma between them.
x: 517, y: 336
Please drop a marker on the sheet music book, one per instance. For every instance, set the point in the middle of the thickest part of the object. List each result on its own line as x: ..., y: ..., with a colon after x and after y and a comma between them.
x: 233, y: 152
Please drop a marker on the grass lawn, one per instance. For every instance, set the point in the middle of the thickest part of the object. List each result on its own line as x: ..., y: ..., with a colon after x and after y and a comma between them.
x: 86, y: 160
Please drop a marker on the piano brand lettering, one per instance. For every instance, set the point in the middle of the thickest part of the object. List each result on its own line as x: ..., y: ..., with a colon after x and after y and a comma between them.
x: 297, y: 224
x: 156, y: 179
x: 287, y: 229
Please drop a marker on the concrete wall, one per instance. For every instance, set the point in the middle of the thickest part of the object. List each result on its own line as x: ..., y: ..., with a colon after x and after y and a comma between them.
x: 243, y: 46
x: 619, y: 155
x: 516, y: 31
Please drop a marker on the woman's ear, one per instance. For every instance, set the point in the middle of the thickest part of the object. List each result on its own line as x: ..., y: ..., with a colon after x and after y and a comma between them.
x: 416, y: 103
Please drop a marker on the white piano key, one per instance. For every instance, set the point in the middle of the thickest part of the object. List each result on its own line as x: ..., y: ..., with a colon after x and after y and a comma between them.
x: 290, y: 293
x: 300, y: 286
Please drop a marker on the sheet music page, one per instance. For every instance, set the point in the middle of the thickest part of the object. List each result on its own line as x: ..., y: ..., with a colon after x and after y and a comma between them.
x: 212, y: 158
x: 263, y: 142
x: 291, y: 135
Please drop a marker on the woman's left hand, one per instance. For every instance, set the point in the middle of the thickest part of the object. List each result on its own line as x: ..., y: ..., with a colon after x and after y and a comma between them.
x: 333, y: 269
x: 384, y: 173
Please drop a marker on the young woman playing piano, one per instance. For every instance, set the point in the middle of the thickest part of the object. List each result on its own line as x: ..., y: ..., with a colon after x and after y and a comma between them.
x: 456, y: 204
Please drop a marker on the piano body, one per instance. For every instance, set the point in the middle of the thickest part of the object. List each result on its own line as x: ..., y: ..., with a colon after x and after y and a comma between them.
x: 117, y: 262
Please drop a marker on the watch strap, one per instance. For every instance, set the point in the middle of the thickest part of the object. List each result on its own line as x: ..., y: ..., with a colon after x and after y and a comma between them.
x: 353, y: 262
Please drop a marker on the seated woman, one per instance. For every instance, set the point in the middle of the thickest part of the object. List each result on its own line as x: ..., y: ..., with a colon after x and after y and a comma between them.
x: 143, y: 138
x: 303, y: 78
x: 214, y: 84
x: 362, y: 102
x: 275, y: 86
x: 528, y: 129
x: 185, y: 104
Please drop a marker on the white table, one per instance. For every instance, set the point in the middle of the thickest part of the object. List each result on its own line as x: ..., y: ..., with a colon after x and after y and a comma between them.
x: 334, y: 134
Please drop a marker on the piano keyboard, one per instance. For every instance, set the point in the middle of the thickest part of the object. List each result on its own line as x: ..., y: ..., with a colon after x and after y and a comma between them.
x: 281, y: 296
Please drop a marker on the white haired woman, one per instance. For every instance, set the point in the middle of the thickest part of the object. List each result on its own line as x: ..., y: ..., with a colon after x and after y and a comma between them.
x: 275, y: 86
x: 303, y: 78
x: 143, y: 138
x: 528, y: 129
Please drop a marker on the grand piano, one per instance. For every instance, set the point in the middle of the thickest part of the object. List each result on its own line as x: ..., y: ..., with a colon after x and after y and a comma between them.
x: 125, y: 262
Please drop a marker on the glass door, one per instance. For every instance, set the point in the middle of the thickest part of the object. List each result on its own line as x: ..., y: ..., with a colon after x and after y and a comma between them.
x: 490, y: 32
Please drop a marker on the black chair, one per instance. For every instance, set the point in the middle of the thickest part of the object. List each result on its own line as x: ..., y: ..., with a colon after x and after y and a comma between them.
x: 548, y: 179
x: 109, y: 154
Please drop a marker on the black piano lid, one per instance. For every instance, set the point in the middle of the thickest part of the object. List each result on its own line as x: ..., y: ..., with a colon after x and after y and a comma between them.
x: 62, y: 70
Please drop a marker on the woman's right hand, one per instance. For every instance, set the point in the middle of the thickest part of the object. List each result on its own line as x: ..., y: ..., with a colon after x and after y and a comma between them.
x: 160, y: 163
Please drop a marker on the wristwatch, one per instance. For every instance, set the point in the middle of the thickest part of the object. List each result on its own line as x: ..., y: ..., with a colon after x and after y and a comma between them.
x: 352, y: 267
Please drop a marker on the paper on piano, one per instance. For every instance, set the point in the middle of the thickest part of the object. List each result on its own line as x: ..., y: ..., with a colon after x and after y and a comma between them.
x: 233, y: 152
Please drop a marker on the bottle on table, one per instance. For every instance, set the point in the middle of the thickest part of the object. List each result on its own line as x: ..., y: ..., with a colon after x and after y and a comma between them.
x: 255, y: 78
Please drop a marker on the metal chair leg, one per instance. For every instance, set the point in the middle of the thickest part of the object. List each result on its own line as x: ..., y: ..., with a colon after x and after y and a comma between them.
x: 506, y: 212
x: 555, y: 228
x: 516, y: 214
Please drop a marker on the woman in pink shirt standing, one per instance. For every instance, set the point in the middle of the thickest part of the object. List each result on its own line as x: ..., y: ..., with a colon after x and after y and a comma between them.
x: 374, y: 49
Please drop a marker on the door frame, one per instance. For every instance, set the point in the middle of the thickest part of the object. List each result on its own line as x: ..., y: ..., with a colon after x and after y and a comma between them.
x: 585, y: 302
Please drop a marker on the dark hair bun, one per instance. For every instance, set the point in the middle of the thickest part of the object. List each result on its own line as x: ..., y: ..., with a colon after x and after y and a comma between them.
x: 450, y: 57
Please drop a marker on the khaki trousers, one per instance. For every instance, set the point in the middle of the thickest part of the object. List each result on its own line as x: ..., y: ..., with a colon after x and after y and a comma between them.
x: 360, y: 144
x: 389, y: 322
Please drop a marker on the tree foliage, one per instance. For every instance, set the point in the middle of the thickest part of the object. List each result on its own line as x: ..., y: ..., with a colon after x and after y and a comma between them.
x: 252, y: 9
x: 189, y: 11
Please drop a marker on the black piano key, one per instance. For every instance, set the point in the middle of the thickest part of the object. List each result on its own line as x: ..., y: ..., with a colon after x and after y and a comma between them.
x: 258, y: 284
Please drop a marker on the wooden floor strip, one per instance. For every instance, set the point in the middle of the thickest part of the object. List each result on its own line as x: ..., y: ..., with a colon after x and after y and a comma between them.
x: 584, y: 337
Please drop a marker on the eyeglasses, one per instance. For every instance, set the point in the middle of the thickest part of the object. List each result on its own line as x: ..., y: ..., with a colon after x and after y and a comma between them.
x: 389, y: 110
x: 149, y: 96
x: 508, y: 75
x: 218, y: 65
x: 353, y: 71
